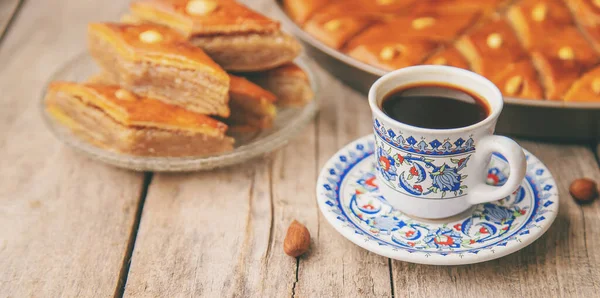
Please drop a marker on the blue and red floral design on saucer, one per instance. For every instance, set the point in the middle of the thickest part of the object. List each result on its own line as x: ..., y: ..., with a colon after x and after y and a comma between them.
x: 348, y: 196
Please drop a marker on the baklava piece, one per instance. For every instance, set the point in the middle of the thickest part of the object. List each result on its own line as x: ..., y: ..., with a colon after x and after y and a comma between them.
x: 116, y: 119
x: 157, y: 62
x: 337, y: 22
x: 449, y: 57
x: 380, y: 46
x: 252, y: 107
x: 561, y: 60
x: 334, y: 27
x: 236, y: 37
x: 587, y: 88
x: 289, y: 83
x: 588, y: 16
x: 300, y: 11
x: 393, y: 53
x: 519, y: 80
x: 442, y: 27
x: 535, y: 20
x: 491, y: 47
x: 587, y: 11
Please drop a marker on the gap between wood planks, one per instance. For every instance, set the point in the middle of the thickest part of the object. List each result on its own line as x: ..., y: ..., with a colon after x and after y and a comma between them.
x: 7, y: 20
x: 123, y: 274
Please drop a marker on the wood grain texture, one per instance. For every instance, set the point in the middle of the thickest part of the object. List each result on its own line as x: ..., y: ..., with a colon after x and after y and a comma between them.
x: 209, y: 235
x: 336, y: 267
x: 8, y: 8
x: 562, y: 263
x: 65, y: 221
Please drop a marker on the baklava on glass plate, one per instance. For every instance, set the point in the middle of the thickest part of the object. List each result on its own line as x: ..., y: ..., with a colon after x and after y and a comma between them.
x: 132, y: 130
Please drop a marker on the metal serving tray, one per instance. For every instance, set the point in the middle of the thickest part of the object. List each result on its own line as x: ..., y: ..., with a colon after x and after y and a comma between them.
x: 542, y: 119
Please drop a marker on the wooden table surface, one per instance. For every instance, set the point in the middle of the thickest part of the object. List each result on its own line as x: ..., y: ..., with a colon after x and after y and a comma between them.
x: 72, y: 227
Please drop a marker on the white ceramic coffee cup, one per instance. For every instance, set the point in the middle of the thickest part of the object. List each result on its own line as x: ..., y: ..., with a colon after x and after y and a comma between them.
x: 437, y: 173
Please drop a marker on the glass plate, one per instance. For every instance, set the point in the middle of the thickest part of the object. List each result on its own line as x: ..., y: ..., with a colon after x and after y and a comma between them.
x: 287, y: 124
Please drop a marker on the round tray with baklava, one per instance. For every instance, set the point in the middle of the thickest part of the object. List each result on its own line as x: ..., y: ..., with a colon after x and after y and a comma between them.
x: 543, y: 54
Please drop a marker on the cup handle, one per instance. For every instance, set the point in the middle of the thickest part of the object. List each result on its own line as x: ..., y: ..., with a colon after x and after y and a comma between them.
x: 483, y: 193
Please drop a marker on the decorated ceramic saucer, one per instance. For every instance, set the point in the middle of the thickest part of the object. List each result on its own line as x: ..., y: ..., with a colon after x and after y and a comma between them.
x: 348, y: 196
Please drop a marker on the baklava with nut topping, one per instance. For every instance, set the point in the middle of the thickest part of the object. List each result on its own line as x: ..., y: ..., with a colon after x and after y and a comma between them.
x: 493, y: 50
x: 562, y: 60
x: 448, y: 56
x: 336, y: 23
x: 300, y: 11
x: 587, y: 88
x: 157, y: 62
x: 534, y: 19
x: 519, y: 79
x: 442, y: 27
x: 236, y: 37
x: 391, y: 54
x: 384, y: 46
x: 490, y: 47
x: 588, y: 12
x: 252, y: 107
x: 114, y: 118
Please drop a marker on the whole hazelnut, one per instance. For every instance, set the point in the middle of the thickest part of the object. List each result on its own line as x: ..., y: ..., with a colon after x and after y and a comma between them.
x: 583, y: 190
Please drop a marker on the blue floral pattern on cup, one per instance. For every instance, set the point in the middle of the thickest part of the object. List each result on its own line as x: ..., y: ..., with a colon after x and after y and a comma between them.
x: 420, y: 176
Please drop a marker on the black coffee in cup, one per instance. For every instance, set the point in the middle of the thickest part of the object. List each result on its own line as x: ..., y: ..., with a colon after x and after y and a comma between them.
x: 435, y: 106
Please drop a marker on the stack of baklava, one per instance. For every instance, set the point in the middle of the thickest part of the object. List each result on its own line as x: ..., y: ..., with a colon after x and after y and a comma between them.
x: 166, y: 87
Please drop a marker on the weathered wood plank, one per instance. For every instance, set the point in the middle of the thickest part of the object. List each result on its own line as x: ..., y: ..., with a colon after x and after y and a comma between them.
x: 560, y: 263
x: 213, y: 234
x: 336, y: 267
x: 66, y: 220
x: 8, y: 8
